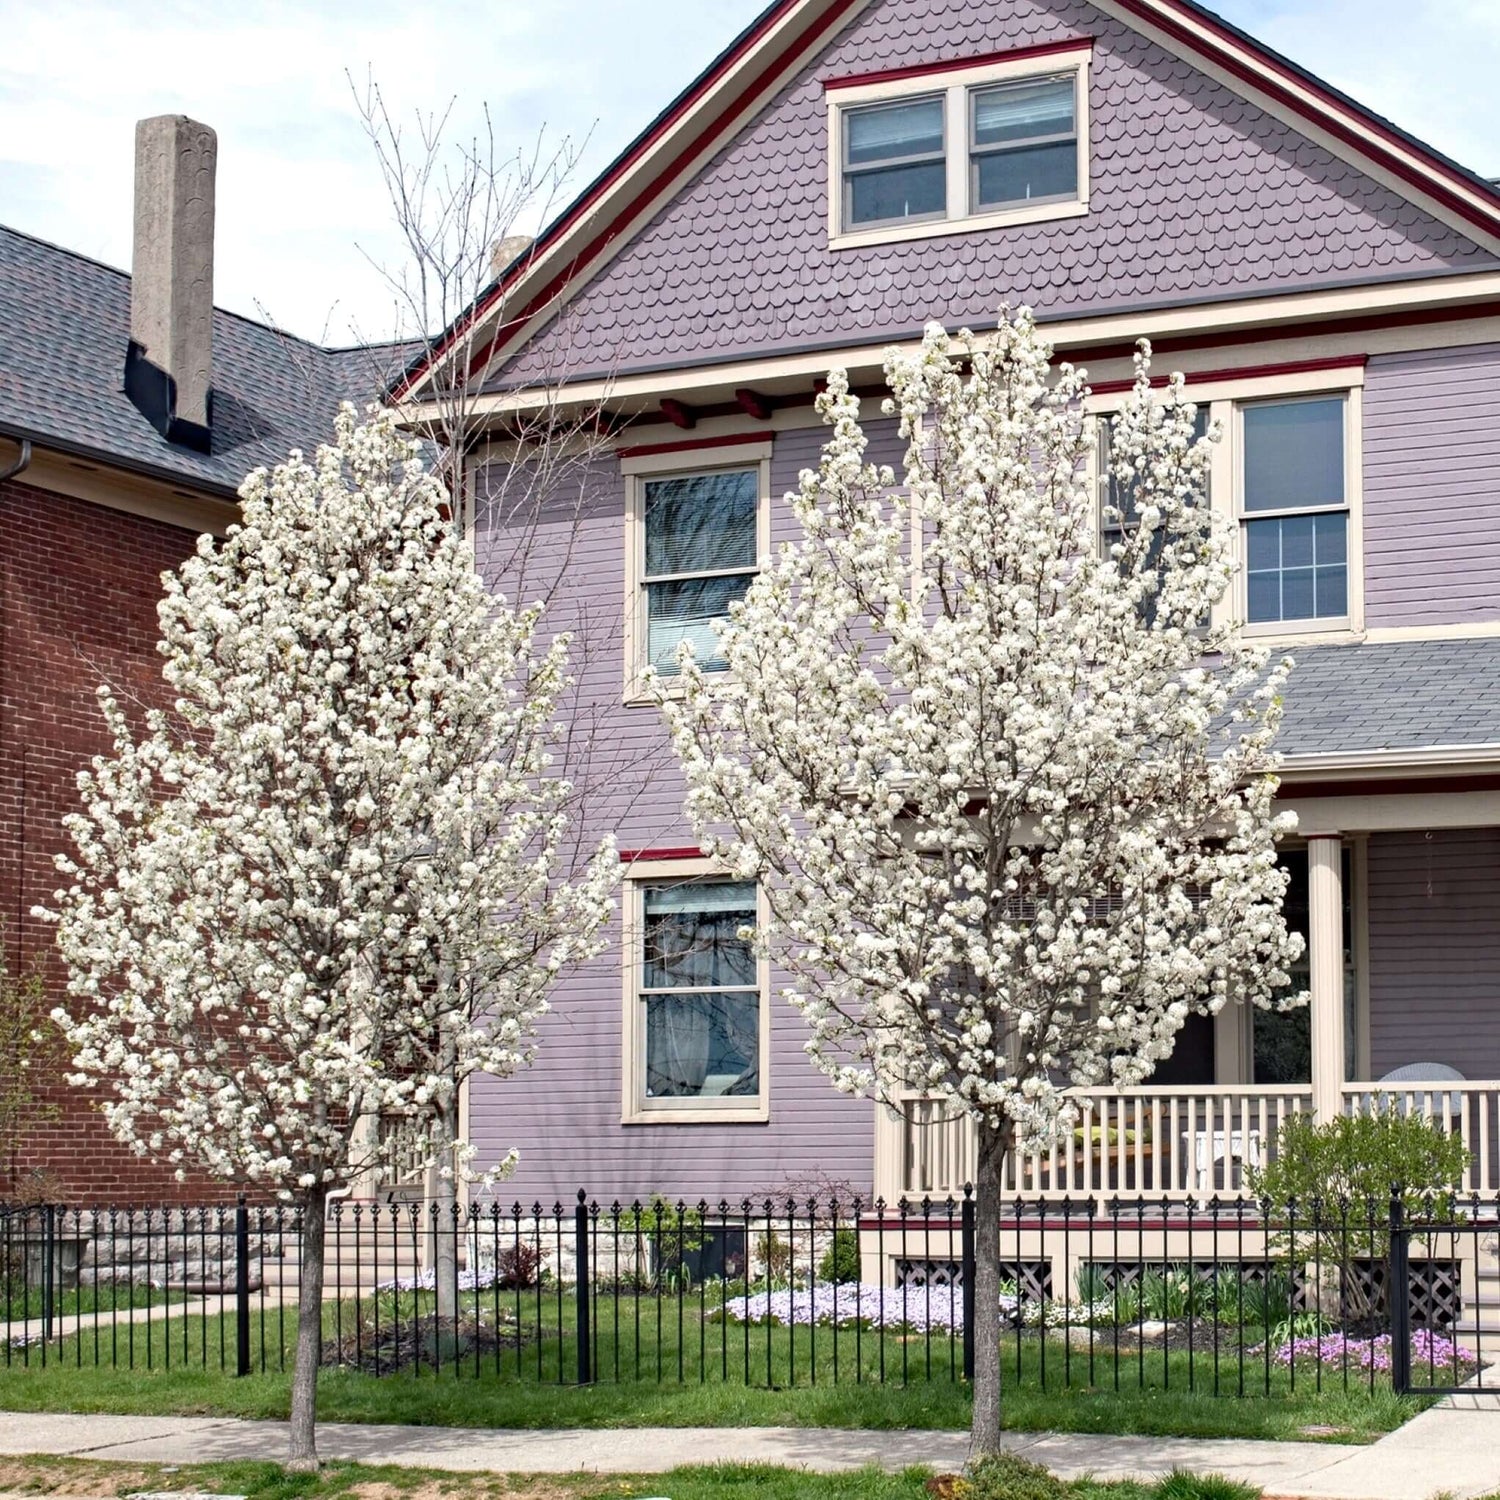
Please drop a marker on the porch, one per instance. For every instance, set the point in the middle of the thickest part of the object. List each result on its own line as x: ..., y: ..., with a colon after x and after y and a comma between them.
x: 1403, y: 972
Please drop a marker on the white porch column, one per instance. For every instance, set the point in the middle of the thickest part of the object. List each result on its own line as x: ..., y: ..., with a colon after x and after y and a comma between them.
x: 1325, y: 899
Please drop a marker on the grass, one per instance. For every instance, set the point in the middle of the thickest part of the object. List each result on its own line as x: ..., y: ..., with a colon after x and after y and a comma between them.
x: 42, y: 1476
x: 17, y: 1303
x: 791, y: 1380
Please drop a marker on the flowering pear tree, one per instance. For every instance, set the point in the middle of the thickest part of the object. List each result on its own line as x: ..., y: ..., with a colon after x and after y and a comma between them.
x: 1007, y: 786
x: 327, y: 885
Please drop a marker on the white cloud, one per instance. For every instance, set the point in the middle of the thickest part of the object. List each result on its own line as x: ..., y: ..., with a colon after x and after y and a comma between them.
x: 298, y: 186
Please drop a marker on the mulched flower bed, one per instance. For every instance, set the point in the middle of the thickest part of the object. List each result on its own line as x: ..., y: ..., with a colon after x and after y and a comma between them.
x: 426, y: 1340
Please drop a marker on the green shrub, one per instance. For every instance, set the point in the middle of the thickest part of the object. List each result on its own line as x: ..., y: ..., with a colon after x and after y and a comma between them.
x: 840, y: 1263
x: 1009, y: 1477
x: 1331, y: 1186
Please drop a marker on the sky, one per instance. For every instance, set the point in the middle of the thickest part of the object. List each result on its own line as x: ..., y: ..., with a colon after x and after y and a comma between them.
x: 302, y: 212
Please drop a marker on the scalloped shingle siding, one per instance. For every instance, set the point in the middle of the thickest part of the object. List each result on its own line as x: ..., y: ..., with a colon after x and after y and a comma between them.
x: 1194, y: 193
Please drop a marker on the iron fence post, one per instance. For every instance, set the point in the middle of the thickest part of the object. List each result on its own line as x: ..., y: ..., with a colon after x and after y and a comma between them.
x: 1400, y: 1295
x: 581, y: 1300
x: 241, y: 1287
x: 49, y: 1267
x: 967, y: 1235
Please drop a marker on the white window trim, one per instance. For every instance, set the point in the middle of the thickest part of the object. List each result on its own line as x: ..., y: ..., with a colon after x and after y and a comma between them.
x: 653, y: 466
x: 955, y: 85
x: 1335, y: 627
x: 634, y: 1108
x: 1224, y: 396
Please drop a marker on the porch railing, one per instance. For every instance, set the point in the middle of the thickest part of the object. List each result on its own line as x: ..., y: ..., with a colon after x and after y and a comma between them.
x: 1166, y: 1142
x: 1470, y: 1111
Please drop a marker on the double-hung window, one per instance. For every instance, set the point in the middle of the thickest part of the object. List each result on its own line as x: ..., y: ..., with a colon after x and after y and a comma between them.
x: 973, y: 144
x: 700, y: 551
x: 697, y: 997
x: 1294, y: 509
x: 1023, y: 143
x: 894, y: 166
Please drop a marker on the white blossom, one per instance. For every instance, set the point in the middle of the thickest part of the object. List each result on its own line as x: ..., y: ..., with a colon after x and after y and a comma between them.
x: 1008, y: 789
x: 328, y: 882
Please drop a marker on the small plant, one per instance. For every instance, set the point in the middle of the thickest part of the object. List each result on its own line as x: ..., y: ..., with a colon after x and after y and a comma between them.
x: 1171, y: 1295
x: 1330, y: 1186
x: 1182, y: 1485
x: 1005, y: 1476
x: 518, y: 1266
x: 1268, y: 1303
x: 673, y: 1231
x: 774, y: 1256
x: 840, y: 1263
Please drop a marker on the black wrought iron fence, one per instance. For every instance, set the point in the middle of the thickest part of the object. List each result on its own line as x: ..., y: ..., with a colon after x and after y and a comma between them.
x: 1225, y: 1297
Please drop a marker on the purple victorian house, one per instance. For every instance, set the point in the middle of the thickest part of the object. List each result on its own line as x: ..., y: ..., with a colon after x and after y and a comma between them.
x: 846, y: 171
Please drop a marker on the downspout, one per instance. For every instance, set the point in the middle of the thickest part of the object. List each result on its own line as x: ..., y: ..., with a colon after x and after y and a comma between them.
x: 22, y: 462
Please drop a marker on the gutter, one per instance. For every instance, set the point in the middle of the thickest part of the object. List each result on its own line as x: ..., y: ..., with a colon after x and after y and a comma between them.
x: 205, y: 489
x: 22, y: 463
x: 1427, y: 757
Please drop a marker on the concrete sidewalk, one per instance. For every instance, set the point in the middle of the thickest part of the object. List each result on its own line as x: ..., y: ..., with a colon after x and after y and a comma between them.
x: 1454, y: 1447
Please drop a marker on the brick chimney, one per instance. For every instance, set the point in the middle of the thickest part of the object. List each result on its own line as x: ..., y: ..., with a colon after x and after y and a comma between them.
x: 169, y: 361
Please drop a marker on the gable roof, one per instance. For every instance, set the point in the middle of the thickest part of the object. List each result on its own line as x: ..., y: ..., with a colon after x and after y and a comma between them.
x: 64, y: 325
x: 605, y: 216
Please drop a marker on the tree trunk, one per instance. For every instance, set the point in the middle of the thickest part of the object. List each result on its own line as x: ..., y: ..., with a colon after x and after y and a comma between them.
x: 303, y: 1457
x: 990, y: 1158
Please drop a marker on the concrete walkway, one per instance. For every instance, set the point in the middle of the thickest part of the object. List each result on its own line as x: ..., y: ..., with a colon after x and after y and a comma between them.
x: 1454, y: 1447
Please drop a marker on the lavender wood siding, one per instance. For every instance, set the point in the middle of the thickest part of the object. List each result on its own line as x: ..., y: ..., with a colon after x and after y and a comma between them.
x: 1432, y: 487
x: 1194, y: 193
x: 1435, y: 950
x: 564, y: 1113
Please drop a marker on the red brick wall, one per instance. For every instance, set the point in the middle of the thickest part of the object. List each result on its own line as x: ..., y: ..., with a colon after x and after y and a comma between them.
x: 78, y: 590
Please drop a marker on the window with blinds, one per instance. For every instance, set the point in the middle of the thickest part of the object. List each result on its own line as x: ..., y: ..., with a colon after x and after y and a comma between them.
x: 700, y: 555
x: 1023, y: 143
x: 995, y: 142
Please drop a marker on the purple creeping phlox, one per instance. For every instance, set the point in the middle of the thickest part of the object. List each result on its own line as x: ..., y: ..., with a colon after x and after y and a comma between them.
x: 1427, y: 1348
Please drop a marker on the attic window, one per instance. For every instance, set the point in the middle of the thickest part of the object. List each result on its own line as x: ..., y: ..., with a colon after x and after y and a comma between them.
x: 975, y: 145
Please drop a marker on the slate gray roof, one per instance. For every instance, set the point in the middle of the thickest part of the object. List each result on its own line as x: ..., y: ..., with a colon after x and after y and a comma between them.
x: 1406, y: 695
x: 64, y: 322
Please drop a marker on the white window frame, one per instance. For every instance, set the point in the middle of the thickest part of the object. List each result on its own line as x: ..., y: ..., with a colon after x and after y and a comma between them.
x: 957, y: 87
x: 635, y: 1108
x: 637, y: 470
x: 1224, y: 394
x: 1353, y: 540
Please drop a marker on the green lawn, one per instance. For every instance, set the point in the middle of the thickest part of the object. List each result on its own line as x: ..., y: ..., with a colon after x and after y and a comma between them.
x: 345, y: 1481
x: 702, y: 1378
x: 19, y: 1301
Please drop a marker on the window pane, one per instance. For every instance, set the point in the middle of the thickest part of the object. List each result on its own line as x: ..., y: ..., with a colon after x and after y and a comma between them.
x: 888, y: 132
x: 1331, y: 546
x: 1025, y: 174
x: 696, y: 523
x: 1294, y: 454
x: 1023, y: 111
x: 691, y: 936
x: 1296, y: 568
x: 1296, y: 541
x: 898, y: 193
x: 1264, y: 591
x: 1332, y: 589
x: 702, y: 1046
x: 687, y: 611
x: 1297, y: 594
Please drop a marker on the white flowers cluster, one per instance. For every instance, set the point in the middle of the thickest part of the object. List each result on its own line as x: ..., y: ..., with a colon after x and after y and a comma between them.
x: 327, y: 884
x: 1008, y: 789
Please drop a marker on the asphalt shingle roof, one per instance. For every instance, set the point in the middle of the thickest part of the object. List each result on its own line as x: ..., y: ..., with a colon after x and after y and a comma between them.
x: 64, y: 325
x: 1405, y: 695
